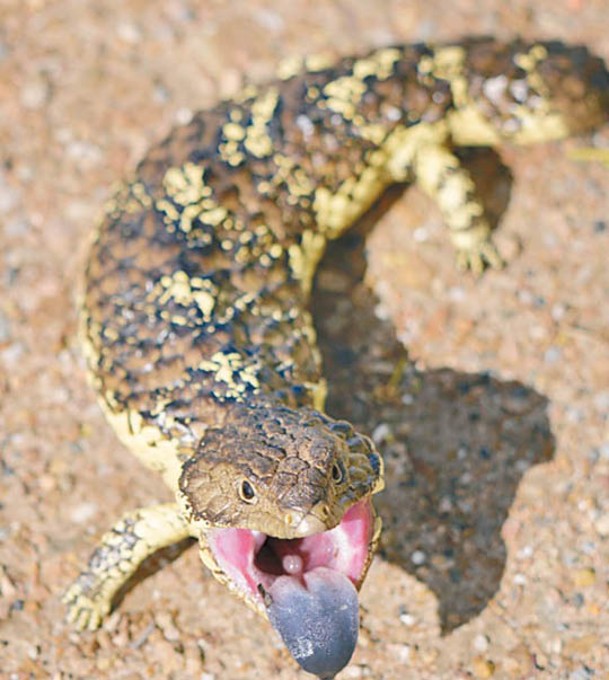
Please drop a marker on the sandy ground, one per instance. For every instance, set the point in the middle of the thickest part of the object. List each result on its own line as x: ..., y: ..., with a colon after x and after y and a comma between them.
x: 496, y: 550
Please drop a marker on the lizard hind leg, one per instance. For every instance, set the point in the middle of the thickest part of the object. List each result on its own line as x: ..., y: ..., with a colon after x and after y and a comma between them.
x: 135, y: 537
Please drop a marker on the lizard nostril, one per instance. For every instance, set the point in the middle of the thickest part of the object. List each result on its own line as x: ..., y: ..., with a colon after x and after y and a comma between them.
x: 293, y: 518
x: 338, y: 472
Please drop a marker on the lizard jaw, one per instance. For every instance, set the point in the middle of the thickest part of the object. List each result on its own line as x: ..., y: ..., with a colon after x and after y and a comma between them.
x: 252, y: 561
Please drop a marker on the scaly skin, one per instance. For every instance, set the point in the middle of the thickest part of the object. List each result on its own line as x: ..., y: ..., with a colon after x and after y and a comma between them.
x: 194, y: 318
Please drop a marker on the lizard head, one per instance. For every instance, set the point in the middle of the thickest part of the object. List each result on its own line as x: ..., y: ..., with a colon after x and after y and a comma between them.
x: 288, y: 473
x: 281, y: 502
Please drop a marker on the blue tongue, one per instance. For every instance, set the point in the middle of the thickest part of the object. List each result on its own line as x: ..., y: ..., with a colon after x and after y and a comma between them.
x: 318, y: 619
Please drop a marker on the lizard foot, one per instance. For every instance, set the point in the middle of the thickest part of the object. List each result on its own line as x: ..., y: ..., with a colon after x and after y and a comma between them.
x: 84, y: 613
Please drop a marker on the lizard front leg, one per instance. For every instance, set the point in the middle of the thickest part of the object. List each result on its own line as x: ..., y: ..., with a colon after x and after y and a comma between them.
x: 135, y: 537
x: 440, y: 174
x: 422, y: 155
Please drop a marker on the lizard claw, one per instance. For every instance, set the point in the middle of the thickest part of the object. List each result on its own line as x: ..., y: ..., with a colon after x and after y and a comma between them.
x: 478, y: 257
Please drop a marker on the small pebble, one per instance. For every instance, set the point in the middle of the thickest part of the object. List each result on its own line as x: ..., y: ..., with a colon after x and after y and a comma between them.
x: 483, y: 668
x: 47, y: 483
x: 602, y: 525
x: 103, y: 664
x: 161, y: 93
x: 85, y: 153
x: 382, y: 433
x: 541, y: 660
x: 420, y: 235
x: 552, y: 355
x: 418, y: 557
x: 402, y: 652
x: 166, y: 624
x: 446, y: 505
x: 273, y: 21
x: 12, y: 354
x: 408, y: 619
x: 9, y: 197
x: 84, y: 512
x: 183, y: 116
x: 35, y: 94
x: 5, y: 328
x: 481, y: 643
x: 457, y: 294
x: 525, y: 552
x: 578, y: 600
x: 583, y: 578
x: 129, y: 32
x: 558, y: 311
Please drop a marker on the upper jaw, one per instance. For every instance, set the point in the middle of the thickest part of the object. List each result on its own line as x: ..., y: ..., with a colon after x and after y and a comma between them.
x: 300, y: 524
x: 309, y: 525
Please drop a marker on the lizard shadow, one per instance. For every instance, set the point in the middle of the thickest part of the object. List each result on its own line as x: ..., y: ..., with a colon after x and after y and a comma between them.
x: 455, y: 444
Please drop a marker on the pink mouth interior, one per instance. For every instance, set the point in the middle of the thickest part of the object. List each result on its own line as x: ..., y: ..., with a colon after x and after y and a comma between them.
x: 252, y: 559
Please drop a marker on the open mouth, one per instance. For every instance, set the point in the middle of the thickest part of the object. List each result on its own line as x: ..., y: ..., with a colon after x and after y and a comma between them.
x: 307, y: 587
x: 254, y: 561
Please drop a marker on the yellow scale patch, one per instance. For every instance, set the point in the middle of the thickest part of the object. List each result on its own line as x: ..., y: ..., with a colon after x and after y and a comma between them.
x: 234, y: 133
x: 313, y: 63
x: 254, y: 136
x: 257, y: 140
x: 303, y: 258
x: 541, y: 123
x: 130, y: 198
x: 299, y: 184
x: 231, y: 370
x: 337, y: 211
x: 187, y: 188
x: 345, y: 93
x: 186, y: 291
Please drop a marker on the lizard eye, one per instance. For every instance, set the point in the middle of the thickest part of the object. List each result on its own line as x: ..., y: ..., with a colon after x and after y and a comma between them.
x: 338, y: 472
x: 247, y: 492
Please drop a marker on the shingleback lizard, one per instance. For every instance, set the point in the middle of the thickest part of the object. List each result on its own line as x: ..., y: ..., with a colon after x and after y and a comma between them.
x: 195, y: 322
